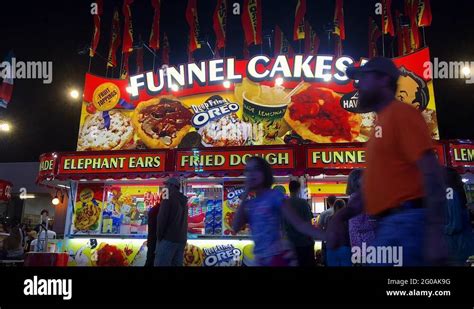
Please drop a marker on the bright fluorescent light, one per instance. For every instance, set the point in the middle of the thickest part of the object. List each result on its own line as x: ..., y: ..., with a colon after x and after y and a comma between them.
x: 5, y: 127
x: 27, y: 196
x: 74, y: 94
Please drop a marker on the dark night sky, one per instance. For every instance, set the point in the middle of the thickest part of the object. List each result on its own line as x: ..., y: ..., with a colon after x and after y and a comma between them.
x: 44, y: 119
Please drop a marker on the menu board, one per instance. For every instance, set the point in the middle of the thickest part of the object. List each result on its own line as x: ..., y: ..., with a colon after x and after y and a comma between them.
x: 194, y: 105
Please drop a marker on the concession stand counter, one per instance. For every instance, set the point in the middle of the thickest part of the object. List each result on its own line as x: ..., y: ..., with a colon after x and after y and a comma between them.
x: 110, y: 194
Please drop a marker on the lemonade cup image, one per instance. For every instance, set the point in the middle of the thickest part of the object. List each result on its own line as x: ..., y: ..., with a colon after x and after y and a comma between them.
x: 265, y: 115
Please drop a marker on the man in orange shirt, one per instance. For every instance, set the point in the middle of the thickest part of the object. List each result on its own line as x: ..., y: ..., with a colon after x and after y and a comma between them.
x: 403, y: 183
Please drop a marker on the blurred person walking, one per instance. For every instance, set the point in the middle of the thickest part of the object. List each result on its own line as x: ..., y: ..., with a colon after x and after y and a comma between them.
x: 302, y: 244
x: 338, y: 243
x: 361, y: 226
x: 152, y: 233
x: 458, y: 229
x: 265, y: 214
x: 403, y: 182
x: 322, y: 223
x: 172, y: 226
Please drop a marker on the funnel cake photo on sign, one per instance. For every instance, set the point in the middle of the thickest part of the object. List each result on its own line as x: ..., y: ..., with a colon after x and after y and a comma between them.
x: 162, y: 122
x: 317, y: 115
x: 110, y: 130
x: 225, y: 131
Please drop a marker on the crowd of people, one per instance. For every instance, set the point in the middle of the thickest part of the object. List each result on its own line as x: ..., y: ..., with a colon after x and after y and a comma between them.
x: 21, y: 238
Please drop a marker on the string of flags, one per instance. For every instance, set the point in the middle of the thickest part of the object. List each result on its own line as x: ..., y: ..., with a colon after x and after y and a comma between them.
x: 404, y: 27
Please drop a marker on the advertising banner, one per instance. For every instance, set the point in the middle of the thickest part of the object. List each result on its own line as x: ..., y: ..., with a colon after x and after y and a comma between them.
x: 126, y: 208
x: 219, y: 253
x: 212, y: 160
x: 106, y: 252
x: 47, y: 165
x: 87, y: 209
x: 114, y: 163
x: 228, y: 102
x: 462, y: 155
x: 232, y: 192
x: 349, y: 157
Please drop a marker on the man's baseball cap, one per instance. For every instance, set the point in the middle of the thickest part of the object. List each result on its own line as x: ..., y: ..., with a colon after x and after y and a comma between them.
x: 377, y: 64
x: 172, y: 181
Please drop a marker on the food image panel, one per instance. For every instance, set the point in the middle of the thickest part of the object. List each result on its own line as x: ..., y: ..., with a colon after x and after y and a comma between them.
x: 105, y: 131
x: 106, y: 252
x: 162, y: 122
x: 232, y: 201
x: 317, y: 115
x: 88, y: 209
x: 219, y: 253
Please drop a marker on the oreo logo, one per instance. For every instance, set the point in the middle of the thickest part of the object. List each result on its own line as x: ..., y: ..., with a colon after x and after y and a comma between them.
x: 214, y: 108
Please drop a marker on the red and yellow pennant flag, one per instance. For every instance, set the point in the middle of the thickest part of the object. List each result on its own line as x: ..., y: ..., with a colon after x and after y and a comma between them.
x: 252, y: 21
x: 127, y: 45
x: 339, y: 29
x: 387, y: 19
x: 374, y: 35
x: 139, y: 57
x: 96, y: 34
x: 245, y: 51
x: 124, y: 70
x: 411, y: 7
x: 338, y: 51
x: 216, y: 52
x: 193, y: 23
x: 114, y: 40
x: 165, y: 51
x: 282, y: 45
x: 403, y: 36
x: 220, y: 22
x: 298, y: 28
x: 424, y: 15
x: 154, y: 42
x: 311, y: 41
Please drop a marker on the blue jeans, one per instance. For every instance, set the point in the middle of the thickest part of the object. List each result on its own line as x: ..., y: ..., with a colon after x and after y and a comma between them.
x: 403, y: 229
x: 339, y: 257
x: 169, y: 254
